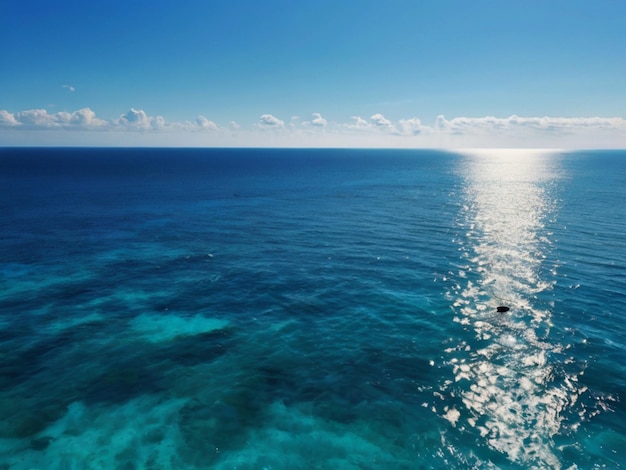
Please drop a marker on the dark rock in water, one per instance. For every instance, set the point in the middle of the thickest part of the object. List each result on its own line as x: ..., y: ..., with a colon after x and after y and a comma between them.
x: 40, y: 443
x: 209, y: 426
x: 502, y: 309
x: 25, y: 425
x: 121, y: 382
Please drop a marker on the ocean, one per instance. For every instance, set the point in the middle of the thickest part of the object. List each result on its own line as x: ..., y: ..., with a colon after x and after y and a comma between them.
x: 312, y: 309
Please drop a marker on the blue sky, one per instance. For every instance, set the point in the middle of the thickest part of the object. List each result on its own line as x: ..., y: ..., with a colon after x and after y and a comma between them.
x: 323, y: 73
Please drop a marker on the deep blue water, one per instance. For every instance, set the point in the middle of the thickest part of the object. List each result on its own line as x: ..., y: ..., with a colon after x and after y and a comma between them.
x: 270, y: 309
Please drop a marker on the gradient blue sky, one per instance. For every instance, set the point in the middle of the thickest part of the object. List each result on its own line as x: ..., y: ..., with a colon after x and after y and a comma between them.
x: 394, y: 73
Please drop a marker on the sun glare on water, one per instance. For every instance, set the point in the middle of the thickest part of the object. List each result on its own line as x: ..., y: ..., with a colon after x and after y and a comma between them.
x: 502, y: 375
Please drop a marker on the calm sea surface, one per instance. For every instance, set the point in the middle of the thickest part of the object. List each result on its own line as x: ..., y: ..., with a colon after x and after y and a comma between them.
x: 312, y: 309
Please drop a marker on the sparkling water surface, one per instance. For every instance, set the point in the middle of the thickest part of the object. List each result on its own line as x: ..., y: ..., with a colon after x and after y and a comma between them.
x: 299, y: 309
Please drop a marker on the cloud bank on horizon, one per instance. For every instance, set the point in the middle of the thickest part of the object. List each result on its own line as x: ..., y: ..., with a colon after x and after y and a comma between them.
x: 136, y: 127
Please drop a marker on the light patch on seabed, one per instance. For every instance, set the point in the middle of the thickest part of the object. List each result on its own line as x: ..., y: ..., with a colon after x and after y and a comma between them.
x: 298, y: 440
x: 293, y: 438
x: 146, y: 433
x: 140, y: 432
x: 167, y: 327
x: 506, y: 386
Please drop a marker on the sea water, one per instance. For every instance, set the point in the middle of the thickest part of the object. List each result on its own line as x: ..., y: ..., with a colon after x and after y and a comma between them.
x: 302, y: 309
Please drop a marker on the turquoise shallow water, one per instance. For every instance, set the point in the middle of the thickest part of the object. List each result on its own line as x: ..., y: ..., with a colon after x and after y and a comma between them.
x: 312, y: 309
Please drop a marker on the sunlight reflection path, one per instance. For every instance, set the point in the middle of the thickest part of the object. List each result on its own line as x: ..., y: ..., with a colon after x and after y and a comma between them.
x: 504, y: 383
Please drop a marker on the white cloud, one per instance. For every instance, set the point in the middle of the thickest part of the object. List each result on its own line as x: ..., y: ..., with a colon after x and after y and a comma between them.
x: 86, y: 117
x: 159, y: 123
x: 139, y: 120
x: 7, y: 119
x: 318, y: 120
x: 379, y: 121
x: 136, y: 127
x: 516, y: 131
x: 135, y: 119
x: 358, y: 123
x: 69, y: 88
x: 206, y: 124
x: 463, y: 125
x: 409, y: 127
x: 268, y: 121
x: 83, y: 118
x: 36, y: 117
